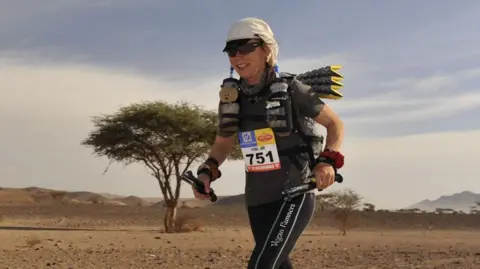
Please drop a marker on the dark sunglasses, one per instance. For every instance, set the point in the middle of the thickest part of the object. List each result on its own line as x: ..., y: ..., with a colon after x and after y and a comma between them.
x: 242, y: 49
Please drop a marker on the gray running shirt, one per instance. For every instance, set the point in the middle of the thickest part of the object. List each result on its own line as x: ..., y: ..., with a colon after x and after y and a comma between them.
x: 265, y: 187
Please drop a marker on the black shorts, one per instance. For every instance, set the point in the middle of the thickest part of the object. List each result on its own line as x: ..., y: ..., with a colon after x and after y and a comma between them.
x: 276, y: 228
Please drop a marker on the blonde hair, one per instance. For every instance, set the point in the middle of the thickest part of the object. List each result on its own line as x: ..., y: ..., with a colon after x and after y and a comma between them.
x: 266, y: 34
x: 272, y: 56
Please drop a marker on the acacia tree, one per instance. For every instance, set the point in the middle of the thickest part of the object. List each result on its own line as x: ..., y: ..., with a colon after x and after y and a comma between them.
x: 324, y: 201
x: 368, y: 207
x: 475, y: 209
x: 166, y: 138
x: 345, y: 202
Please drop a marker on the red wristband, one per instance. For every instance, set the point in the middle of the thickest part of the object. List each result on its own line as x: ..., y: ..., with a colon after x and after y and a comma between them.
x: 335, y: 156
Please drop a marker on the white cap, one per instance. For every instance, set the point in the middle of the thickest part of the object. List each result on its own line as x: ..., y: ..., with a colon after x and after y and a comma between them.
x: 248, y: 28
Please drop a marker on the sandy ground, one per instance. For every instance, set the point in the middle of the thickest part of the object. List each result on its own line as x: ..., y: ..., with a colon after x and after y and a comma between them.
x: 230, y: 248
x: 127, y: 237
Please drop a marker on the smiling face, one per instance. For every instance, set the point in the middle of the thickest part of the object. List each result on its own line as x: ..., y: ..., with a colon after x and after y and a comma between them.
x: 248, y: 58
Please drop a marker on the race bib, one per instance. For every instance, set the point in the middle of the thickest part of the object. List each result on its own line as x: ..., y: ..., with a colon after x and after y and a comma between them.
x: 259, y: 150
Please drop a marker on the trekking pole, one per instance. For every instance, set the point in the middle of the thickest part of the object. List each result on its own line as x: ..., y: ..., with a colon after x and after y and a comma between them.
x: 189, y: 178
x: 291, y: 193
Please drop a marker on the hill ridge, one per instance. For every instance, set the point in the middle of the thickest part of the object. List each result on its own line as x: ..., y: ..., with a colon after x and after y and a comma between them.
x: 460, y: 201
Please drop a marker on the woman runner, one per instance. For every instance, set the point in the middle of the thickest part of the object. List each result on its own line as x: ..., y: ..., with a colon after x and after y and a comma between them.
x: 273, y: 159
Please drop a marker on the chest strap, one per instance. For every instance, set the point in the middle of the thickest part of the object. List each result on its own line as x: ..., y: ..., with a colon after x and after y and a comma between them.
x: 253, y: 117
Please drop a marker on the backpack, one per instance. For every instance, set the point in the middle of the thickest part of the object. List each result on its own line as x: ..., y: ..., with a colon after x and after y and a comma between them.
x: 282, y: 114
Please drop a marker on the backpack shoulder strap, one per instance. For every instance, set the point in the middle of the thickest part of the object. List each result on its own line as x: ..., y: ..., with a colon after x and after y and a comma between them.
x: 296, y: 118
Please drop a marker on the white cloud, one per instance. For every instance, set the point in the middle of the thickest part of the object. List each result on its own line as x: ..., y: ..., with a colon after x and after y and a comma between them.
x: 45, y: 110
x: 352, y: 66
x: 400, y: 171
x: 434, y: 83
x: 427, y: 85
x: 80, y: 90
x: 409, y: 98
x: 411, y: 109
x: 414, y: 99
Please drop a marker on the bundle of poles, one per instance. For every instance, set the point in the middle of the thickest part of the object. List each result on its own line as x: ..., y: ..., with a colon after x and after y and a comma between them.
x: 326, y: 81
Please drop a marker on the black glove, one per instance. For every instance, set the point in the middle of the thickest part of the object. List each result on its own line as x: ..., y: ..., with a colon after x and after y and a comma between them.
x: 210, y: 168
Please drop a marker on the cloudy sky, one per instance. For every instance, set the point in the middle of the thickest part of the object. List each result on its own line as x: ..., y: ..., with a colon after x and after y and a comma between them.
x: 412, y: 76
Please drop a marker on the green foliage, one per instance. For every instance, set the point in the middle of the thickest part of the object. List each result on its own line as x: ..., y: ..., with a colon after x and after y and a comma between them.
x: 153, y: 131
x: 167, y: 138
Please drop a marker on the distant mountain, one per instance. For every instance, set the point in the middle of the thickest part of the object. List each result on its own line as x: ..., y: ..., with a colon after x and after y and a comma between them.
x: 458, y: 201
x: 37, y: 195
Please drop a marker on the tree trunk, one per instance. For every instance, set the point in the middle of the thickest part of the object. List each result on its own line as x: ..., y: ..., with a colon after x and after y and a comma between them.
x: 170, y: 215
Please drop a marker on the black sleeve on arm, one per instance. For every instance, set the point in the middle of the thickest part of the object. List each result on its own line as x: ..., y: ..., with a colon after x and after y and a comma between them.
x: 307, y: 102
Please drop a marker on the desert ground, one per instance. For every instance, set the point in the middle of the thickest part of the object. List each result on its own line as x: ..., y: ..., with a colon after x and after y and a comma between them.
x: 39, y: 232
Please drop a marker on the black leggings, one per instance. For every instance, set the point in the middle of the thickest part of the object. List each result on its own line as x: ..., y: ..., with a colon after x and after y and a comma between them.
x: 276, y: 228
